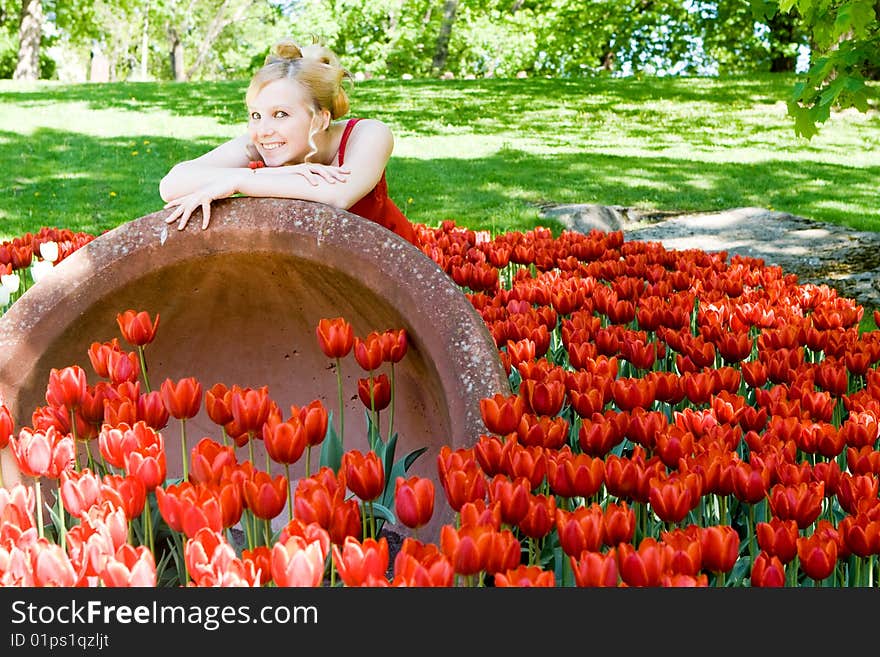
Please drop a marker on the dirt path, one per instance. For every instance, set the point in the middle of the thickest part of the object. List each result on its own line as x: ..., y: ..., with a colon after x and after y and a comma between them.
x: 816, y: 252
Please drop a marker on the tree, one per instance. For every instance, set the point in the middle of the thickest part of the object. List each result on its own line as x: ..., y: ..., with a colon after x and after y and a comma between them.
x: 29, y: 35
x: 845, y: 55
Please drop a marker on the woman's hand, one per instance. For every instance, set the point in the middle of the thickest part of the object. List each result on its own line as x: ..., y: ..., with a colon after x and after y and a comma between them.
x: 201, y: 198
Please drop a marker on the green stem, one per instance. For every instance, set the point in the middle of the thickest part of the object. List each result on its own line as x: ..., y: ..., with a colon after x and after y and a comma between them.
x: 752, y: 538
x: 308, y: 461
x: 391, y: 406
x: 37, y: 490
x: 143, y: 362
x: 341, y: 410
x: 289, y: 496
x: 148, y: 525
x: 248, y: 530
x: 72, y: 417
x: 183, y: 448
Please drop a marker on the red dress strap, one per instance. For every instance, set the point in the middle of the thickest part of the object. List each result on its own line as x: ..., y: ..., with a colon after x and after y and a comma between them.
x: 345, y: 134
x: 376, y: 205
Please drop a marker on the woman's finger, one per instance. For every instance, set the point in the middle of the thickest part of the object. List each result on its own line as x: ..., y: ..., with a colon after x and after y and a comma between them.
x: 171, y: 218
x: 206, y: 214
x: 184, y: 220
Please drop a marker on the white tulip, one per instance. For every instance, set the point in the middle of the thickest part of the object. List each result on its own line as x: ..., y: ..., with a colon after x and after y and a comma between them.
x: 40, y: 268
x: 49, y: 251
x: 4, y: 296
x: 10, y: 282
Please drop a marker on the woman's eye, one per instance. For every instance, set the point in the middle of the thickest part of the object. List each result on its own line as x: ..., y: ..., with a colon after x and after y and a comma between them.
x: 280, y: 114
x: 255, y: 116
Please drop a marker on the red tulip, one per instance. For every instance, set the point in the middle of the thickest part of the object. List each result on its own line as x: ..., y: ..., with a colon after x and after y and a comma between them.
x: 512, y: 496
x: 218, y: 404
x: 525, y: 576
x: 79, y: 491
x: 297, y: 563
x: 645, y: 565
x: 183, y: 399
x: 595, y: 569
x: 368, y: 351
x: 374, y: 392
x: 136, y: 327
x: 335, y: 337
x: 581, y: 529
x: 540, y: 517
x: 502, y: 413
x: 394, y: 345
x: 720, y: 547
x: 414, y: 501
x: 128, y: 493
x: 364, y: 474
x: 314, y: 419
x: 152, y: 410
x: 265, y: 496
x: 345, y: 520
x: 778, y: 538
x: 361, y: 564
x: 768, y: 571
x: 422, y: 565
x: 130, y: 567
x: 801, y: 503
x: 7, y: 425
x: 285, y: 441
x: 99, y: 353
x: 67, y: 387
x: 466, y: 548
x: 43, y: 453
x: 817, y: 555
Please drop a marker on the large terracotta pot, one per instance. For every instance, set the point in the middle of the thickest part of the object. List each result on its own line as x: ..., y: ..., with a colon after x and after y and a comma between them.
x: 239, y: 303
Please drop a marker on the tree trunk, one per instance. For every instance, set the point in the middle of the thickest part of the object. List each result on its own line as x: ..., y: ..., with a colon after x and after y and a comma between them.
x: 441, y: 52
x: 215, y: 29
x: 30, y: 32
x: 145, y: 42
x: 177, y: 59
x: 783, y: 31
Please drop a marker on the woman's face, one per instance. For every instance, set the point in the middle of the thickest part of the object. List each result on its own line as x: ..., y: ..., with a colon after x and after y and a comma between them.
x: 279, y: 120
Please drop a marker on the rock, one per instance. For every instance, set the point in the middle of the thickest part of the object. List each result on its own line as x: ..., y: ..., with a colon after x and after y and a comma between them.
x: 584, y: 217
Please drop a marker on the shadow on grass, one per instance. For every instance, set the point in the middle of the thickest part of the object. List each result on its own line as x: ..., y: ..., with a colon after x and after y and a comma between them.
x: 92, y: 184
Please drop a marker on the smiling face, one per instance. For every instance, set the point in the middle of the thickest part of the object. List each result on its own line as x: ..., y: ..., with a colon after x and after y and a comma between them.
x: 280, y: 118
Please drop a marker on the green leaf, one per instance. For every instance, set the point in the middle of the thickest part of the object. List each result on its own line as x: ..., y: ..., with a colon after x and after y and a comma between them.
x: 331, y: 448
x: 383, y: 512
x: 399, y: 469
x: 740, y: 569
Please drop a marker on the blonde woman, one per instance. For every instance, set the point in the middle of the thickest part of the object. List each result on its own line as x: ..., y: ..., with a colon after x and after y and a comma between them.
x: 294, y: 147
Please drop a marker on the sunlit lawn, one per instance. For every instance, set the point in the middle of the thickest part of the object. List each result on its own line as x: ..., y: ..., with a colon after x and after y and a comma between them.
x: 486, y: 153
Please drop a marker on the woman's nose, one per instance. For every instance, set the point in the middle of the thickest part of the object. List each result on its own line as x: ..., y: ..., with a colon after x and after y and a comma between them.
x: 265, y: 127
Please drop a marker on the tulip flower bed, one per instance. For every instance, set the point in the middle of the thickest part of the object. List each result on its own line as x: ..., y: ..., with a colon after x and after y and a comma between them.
x: 676, y: 418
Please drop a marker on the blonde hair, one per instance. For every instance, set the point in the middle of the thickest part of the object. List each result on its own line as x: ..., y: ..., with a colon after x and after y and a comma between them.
x: 316, y: 68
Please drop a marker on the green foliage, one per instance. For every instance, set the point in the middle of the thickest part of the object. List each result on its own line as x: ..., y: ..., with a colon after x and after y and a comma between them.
x: 846, y: 53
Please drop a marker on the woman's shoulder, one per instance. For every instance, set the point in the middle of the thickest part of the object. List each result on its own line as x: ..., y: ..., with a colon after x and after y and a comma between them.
x: 361, y: 125
x: 368, y: 134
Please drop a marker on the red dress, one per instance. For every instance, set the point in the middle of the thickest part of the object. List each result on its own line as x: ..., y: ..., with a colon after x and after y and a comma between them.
x: 377, y: 205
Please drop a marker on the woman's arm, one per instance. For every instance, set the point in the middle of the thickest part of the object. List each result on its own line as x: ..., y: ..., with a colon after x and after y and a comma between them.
x: 368, y: 150
x: 227, y: 161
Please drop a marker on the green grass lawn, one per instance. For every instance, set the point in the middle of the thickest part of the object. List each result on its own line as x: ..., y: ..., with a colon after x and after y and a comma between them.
x: 485, y: 153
